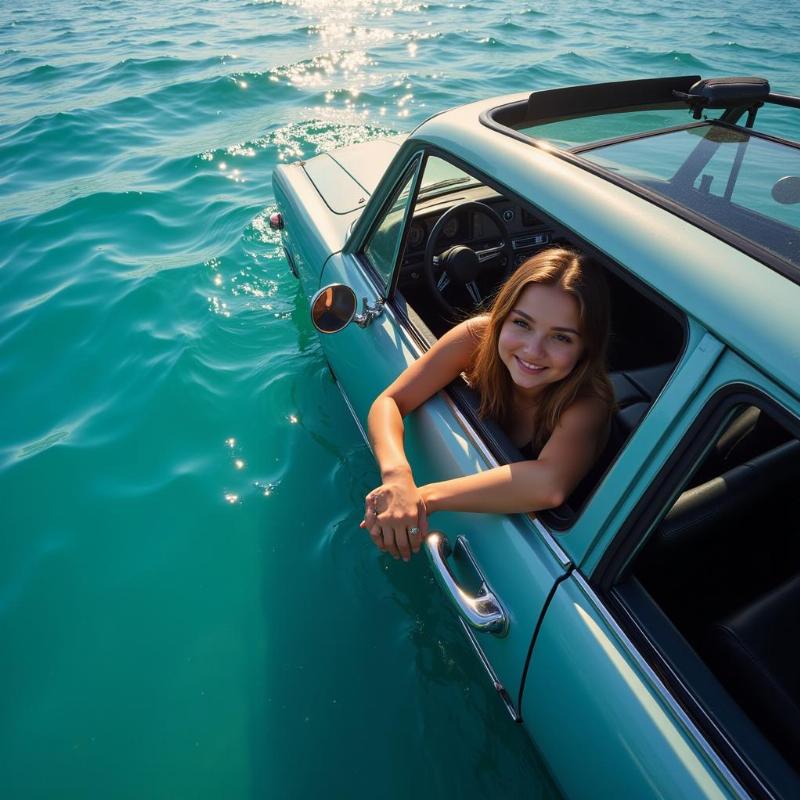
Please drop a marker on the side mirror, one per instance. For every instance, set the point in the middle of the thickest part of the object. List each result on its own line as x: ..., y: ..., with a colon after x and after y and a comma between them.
x: 333, y: 308
x: 787, y: 190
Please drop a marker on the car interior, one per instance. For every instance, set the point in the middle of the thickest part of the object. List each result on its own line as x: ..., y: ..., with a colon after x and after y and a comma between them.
x: 470, y: 223
x: 717, y: 585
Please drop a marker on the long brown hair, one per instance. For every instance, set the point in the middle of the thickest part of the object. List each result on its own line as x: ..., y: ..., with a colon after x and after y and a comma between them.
x: 583, y: 280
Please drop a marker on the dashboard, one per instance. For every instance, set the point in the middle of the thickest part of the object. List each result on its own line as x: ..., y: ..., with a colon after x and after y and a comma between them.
x: 473, y: 228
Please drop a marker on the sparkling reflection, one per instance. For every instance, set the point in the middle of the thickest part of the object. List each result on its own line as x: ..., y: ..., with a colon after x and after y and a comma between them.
x: 346, y: 68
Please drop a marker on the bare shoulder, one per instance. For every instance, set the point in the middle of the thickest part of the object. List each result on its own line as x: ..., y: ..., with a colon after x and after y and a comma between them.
x: 580, y: 434
x: 463, y: 338
x: 585, y: 414
x: 476, y: 326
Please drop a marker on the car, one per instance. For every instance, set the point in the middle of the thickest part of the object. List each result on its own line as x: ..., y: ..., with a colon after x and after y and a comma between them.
x: 644, y: 632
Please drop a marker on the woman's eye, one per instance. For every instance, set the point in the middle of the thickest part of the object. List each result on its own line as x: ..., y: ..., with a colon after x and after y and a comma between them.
x: 521, y: 323
x: 562, y: 337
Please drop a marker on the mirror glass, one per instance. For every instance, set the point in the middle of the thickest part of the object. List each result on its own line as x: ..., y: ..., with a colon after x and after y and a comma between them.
x: 332, y: 308
x: 787, y: 190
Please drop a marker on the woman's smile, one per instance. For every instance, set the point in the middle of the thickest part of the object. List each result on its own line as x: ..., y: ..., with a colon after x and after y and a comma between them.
x: 527, y: 366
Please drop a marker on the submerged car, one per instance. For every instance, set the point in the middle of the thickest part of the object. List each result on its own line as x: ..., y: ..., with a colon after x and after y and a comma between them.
x: 645, y: 632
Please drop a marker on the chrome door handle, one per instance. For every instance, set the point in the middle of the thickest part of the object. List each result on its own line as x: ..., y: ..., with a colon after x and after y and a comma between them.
x: 482, y: 612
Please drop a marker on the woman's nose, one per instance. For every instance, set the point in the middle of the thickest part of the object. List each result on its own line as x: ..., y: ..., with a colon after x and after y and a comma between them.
x: 534, y: 346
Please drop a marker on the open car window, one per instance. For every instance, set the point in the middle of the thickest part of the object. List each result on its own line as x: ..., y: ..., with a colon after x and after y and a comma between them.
x: 467, y: 211
x: 715, y: 591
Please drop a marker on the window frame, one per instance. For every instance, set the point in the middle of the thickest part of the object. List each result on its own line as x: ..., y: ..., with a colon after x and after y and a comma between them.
x: 757, y: 764
x: 412, y: 172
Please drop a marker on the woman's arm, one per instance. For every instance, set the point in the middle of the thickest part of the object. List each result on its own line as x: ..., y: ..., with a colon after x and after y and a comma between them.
x: 396, y: 504
x: 529, y: 485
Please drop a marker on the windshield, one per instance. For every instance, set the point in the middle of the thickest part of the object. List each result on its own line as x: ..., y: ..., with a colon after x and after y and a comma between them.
x: 748, y: 184
x: 440, y: 175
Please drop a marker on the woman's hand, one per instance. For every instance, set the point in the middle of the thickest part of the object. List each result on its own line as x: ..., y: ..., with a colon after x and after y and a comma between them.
x: 395, y: 516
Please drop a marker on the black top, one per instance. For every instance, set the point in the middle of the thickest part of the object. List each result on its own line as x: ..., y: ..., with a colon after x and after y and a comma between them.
x: 529, y: 452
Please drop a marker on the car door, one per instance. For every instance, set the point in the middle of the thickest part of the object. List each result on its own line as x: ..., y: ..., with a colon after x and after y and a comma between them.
x: 595, y: 693
x: 512, y: 558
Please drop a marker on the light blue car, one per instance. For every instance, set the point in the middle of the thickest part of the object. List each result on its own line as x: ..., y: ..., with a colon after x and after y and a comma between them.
x: 646, y: 632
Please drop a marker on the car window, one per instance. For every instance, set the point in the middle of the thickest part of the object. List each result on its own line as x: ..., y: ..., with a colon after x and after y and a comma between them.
x: 725, y: 174
x: 456, y: 211
x: 750, y: 183
x: 716, y: 586
x: 384, y: 243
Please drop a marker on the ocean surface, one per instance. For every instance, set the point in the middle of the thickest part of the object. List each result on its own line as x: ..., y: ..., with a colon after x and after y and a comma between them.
x: 188, y: 608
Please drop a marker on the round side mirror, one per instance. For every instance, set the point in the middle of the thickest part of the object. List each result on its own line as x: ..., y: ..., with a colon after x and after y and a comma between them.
x: 333, y: 308
x: 787, y: 190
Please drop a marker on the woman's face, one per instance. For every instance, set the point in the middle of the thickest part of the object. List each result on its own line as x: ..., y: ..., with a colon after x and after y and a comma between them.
x: 539, y: 341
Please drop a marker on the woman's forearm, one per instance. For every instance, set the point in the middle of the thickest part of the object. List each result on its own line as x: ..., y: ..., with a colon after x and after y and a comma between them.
x: 511, y: 489
x: 385, y: 428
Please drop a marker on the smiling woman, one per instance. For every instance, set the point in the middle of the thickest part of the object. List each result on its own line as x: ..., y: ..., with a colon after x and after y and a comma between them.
x: 538, y: 363
x: 549, y: 327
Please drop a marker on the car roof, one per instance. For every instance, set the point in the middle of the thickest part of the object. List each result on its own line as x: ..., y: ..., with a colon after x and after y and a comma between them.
x: 637, y: 133
x: 752, y: 308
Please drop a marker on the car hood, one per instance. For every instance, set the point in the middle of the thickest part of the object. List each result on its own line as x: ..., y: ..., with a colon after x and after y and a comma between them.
x: 345, y: 178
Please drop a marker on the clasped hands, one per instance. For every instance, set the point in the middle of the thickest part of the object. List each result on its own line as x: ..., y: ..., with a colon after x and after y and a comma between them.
x: 396, y: 518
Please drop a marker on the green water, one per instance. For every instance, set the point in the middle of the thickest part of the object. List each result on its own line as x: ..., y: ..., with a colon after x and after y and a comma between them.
x: 187, y: 605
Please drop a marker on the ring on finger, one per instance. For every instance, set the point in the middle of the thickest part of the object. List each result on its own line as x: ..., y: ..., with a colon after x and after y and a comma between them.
x: 413, y: 531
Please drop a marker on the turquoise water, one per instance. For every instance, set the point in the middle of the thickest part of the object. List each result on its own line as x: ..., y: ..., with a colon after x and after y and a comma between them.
x: 187, y: 605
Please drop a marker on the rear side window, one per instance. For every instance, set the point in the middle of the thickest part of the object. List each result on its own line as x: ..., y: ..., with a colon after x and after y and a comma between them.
x: 716, y: 587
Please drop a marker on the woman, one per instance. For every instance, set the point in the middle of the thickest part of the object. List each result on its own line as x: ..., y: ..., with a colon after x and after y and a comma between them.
x: 538, y: 362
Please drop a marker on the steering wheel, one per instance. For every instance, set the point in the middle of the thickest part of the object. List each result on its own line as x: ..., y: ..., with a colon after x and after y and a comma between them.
x: 460, y: 265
